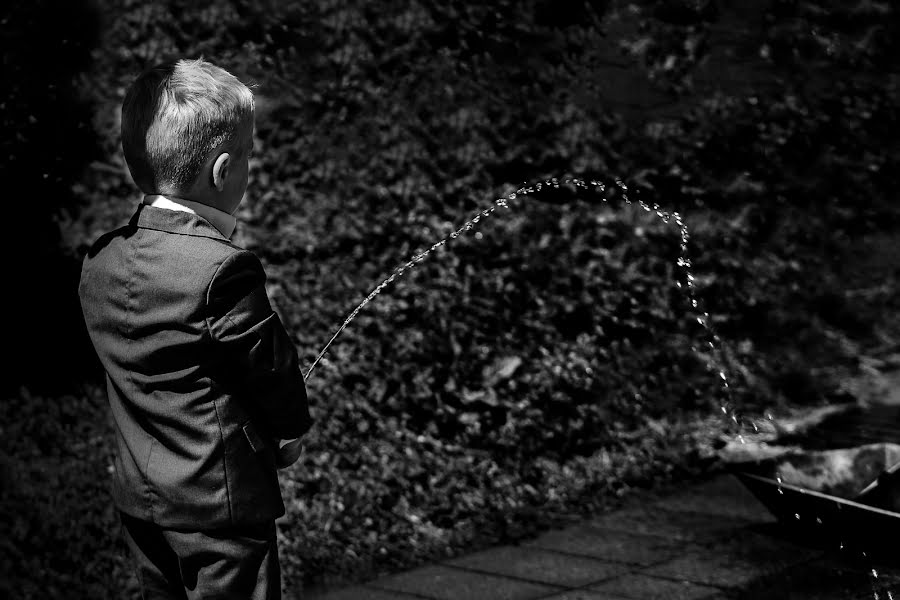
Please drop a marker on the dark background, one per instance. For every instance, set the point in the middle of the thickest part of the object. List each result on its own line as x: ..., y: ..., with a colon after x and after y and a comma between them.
x: 506, y: 383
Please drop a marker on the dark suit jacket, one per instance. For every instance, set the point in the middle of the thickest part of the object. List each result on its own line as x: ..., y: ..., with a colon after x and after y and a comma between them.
x: 200, y: 372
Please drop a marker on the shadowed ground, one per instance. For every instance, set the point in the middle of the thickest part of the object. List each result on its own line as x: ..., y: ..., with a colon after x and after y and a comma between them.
x: 711, y: 541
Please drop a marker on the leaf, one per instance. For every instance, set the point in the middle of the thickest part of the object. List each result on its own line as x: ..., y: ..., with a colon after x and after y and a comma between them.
x: 501, y: 369
x: 742, y: 185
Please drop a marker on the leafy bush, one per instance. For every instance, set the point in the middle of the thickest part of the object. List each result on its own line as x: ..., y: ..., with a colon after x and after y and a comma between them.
x: 543, y: 370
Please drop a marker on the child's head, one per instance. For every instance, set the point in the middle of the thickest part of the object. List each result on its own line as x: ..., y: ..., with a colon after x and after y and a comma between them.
x: 187, y: 131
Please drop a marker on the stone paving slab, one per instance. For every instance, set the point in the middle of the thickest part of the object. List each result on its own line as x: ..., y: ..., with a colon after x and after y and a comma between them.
x: 583, y: 595
x: 735, y: 561
x: 542, y: 566
x: 361, y: 592
x: 614, y: 546
x: 640, y: 586
x: 670, y: 525
x: 446, y: 583
x: 723, y: 496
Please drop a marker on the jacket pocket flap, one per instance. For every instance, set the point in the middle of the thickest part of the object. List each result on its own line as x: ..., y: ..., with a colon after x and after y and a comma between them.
x: 256, y: 441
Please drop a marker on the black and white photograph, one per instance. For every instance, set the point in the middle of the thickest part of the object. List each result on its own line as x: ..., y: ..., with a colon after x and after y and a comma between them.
x: 486, y: 300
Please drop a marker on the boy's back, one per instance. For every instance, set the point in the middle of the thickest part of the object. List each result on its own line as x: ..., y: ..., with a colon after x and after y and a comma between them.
x: 185, y: 332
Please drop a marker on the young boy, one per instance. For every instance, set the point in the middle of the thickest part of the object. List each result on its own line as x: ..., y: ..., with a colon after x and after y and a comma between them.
x: 202, y: 377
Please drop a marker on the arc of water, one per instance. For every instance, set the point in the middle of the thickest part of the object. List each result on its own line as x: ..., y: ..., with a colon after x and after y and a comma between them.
x: 665, y: 216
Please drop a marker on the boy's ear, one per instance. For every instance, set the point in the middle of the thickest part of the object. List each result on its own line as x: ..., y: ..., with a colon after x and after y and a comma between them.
x: 220, y: 171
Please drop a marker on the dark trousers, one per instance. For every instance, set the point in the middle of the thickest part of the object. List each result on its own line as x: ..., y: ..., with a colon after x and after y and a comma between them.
x: 233, y: 563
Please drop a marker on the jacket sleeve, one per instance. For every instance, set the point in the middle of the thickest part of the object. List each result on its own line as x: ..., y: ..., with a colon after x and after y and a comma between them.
x: 257, y: 354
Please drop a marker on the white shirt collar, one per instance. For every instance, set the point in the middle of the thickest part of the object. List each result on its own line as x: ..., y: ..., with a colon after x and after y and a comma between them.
x: 219, y: 219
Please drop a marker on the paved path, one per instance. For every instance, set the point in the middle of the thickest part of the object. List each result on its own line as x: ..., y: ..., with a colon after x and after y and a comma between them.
x: 712, y: 541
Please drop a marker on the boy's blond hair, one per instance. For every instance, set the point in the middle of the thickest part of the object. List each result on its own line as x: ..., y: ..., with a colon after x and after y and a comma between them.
x: 174, y: 115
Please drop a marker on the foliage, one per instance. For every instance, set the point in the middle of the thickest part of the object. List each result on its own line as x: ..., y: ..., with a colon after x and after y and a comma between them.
x: 551, y: 365
x: 59, y: 541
